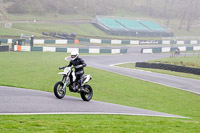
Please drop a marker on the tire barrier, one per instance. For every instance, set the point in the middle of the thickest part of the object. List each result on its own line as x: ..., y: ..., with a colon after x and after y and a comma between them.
x: 169, y: 49
x: 69, y: 50
x: 53, y: 34
x: 4, y: 48
x: 45, y: 33
x: 65, y: 37
x: 61, y: 35
x: 169, y: 67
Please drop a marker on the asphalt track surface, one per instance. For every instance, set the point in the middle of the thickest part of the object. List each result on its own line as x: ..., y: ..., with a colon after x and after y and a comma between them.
x: 18, y: 101
x: 24, y: 101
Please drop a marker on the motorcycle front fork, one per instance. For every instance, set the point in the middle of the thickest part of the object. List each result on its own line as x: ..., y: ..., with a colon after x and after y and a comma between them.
x: 65, y: 85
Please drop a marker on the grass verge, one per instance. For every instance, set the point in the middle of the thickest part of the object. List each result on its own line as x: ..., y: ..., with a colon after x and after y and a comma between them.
x: 188, y: 61
x: 95, y: 123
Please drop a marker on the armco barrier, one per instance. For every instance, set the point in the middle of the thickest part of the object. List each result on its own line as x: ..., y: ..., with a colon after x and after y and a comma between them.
x: 69, y: 50
x: 4, y: 48
x: 108, y: 41
x: 169, y: 67
x: 169, y: 49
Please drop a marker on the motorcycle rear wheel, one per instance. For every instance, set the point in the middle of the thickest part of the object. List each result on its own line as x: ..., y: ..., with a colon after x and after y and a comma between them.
x: 87, y: 96
x: 58, y: 90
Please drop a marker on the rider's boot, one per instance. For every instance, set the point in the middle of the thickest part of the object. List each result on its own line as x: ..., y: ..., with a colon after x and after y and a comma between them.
x: 80, y: 89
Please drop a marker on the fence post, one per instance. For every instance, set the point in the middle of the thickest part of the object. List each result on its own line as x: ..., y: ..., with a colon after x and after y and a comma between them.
x: 31, y: 41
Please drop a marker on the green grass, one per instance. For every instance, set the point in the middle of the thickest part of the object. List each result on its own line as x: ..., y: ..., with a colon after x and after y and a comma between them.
x: 37, y: 70
x: 47, y: 16
x: 96, y: 123
x: 15, y: 32
x: 188, y: 61
x: 81, y: 30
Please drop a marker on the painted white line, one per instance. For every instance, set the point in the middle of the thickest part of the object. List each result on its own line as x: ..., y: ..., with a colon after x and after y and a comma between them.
x: 115, y: 65
x: 120, y: 63
x: 92, y: 113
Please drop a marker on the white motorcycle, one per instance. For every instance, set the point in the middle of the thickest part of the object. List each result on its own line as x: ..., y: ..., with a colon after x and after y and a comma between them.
x: 69, y: 80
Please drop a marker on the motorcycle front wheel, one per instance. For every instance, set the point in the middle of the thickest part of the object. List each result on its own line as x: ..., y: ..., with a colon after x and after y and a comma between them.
x: 59, y: 91
x: 87, y: 96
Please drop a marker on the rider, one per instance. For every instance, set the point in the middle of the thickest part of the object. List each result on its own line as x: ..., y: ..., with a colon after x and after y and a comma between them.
x: 78, y: 64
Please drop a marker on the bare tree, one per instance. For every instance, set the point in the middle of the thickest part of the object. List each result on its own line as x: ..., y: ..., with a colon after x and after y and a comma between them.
x: 165, y: 7
x: 185, y: 12
x: 149, y: 7
x: 170, y: 7
x: 193, y: 14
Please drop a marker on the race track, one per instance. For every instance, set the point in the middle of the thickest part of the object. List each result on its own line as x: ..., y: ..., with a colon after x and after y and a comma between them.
x: 24, y: 101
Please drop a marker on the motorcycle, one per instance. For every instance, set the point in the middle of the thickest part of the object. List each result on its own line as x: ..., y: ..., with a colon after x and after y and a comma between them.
x: 69, y: 80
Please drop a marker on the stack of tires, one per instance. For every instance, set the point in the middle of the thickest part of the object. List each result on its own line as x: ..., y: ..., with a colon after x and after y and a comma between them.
x: 169, y: 67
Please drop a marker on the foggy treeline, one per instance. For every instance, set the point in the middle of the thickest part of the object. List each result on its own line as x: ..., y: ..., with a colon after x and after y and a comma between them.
x: 186, y: 11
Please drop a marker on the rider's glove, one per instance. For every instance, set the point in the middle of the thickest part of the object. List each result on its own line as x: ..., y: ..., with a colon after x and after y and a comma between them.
x: 61, y: 68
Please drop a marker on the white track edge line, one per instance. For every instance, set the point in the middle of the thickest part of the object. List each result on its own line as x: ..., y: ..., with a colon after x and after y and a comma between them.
x: 93, y: 113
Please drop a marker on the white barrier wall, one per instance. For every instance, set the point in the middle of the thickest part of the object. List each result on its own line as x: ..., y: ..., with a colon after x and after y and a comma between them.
x: 166, y: 49
x: 61, y: 41
x: 49, y: 49
x: 193, y: 42
x: 196, y: 48
x: 182, y: 48
x: 38, y: 41
x: 180, y: 42
x: 94, y: 51
x: 165, y: 42
x: 115, y: 51
x: 95, y: 40
x: 147, y: 51
x: 116, y: 41
x: 134, y: 42
x: 69, y: 50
